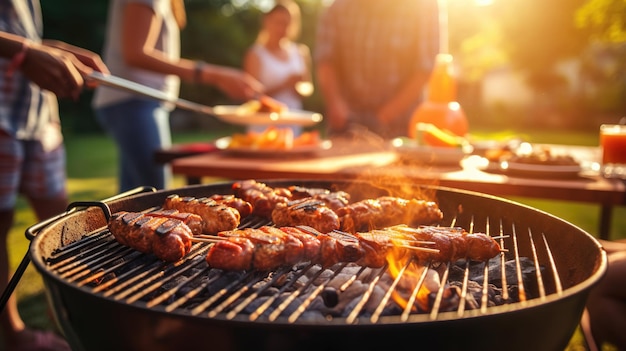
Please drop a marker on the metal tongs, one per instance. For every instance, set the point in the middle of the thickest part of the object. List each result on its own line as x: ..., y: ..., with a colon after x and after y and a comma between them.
x: 140, y: 89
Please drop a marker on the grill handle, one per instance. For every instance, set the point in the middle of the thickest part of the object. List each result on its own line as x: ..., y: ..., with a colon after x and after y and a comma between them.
x: 32, y: 231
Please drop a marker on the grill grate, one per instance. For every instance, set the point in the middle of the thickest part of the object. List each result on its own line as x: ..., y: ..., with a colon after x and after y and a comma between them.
x: 294, y: 294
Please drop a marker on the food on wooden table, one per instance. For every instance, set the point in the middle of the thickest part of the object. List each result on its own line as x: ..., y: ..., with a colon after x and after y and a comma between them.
x: 386, y: 211
x: 216, y: 216
x: 541, y: 155
x: 273, y: 138
x: 527, y: 153
x: 268, y: 248
x: 168, y: 239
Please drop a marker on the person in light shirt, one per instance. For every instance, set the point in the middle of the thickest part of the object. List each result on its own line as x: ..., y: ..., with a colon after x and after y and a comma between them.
x: 373, y: 59
x: 143, y: 45
x: 34, y: 73
x: 280, y: 63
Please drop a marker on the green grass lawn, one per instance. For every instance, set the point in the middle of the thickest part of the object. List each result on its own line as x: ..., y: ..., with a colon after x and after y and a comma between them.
x: 92, y: 176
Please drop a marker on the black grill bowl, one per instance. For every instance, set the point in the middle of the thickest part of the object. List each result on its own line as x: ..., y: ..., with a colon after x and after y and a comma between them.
x: 92, y: 321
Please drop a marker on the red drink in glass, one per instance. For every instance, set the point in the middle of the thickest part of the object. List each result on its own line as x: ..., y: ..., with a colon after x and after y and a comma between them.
x: 613, y: 143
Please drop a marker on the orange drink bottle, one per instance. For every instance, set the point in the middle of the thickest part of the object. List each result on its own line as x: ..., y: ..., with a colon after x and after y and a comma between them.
x: 440, y: 107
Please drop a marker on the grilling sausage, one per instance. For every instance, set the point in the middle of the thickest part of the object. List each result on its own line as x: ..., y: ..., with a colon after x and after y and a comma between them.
x: 273, y: 247
x: 169, y: 239
x: 216, y: 216
x: 192, y: 220
x: 453, y: 243
x: 368, y: 249
x: 333, y: 199
x: 243, y: 207
x: 276, y: 247
x: 386, y: 211
x: 306, y: 211
x: 233, y: 254
x: 262, y: 197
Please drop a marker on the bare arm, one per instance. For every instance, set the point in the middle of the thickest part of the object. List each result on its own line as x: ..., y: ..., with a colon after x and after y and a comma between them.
x: 86, y: 57
x: 404, y: 99
x: 141, y: 27
x: 337, y: 110
x: 58, y: 71
x: 252, y: 65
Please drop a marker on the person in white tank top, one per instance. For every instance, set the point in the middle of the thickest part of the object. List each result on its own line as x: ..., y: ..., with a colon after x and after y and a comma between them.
x: 281, y: 64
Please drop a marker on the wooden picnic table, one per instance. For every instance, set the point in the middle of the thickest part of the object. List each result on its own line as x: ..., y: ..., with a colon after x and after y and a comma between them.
x: 345, y: 160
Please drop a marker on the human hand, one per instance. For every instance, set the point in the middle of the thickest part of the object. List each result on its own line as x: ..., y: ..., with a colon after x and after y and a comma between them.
x: 237, y: 84
x: 337, y: 113
x: 84, y: 60
x: 299, y: 84
x: 54, y: 70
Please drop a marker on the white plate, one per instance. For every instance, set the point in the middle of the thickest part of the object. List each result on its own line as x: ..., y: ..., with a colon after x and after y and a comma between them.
x: 235, y: 114
x: 540, y: 171
x: 428, y: 154
x: 224, y: 144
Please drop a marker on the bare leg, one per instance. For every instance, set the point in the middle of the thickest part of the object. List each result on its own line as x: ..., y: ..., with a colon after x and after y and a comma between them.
x: 14, y: 331
x: 607, y: 301
x: 10, y: 319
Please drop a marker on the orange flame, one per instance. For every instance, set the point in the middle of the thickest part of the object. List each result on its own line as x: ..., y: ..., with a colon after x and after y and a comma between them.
x: 411, y: 273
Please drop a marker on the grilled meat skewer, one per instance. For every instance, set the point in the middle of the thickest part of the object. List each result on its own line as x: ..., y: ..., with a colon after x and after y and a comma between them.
x: 325, y: 249
x: 453, y: 243
x: 192, y: 220
x: 365, y: 248
x: 386, y: 211
x: 243, y: 207
x: 262, y: 197
x: 276, y: 247
x: 334, y: 200
x: 306, y: 211
x: 169, y: 239
x: 273, y: 248
x: 216, y: 216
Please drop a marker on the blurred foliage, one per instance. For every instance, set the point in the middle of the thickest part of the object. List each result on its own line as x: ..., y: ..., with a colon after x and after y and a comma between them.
x: 606, y: 19
x: 533, y: 37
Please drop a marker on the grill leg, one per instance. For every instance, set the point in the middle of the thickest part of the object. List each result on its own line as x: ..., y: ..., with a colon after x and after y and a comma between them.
x: 6, y: 294
x: 606, y: 214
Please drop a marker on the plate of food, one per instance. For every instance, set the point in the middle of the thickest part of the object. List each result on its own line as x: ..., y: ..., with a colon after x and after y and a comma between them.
x: 273, y: 142
x: 540, y: 170
x: 540, y: 162
x: 265, y: 111
x: 410, y: 149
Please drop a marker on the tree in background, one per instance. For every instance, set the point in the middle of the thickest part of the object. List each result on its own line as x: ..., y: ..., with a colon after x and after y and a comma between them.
x: 532, y: 37
x: 605, y: 63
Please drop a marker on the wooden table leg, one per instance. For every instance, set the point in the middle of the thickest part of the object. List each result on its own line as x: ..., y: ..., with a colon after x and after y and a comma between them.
x: 194, y: 180
x: 606, y: 214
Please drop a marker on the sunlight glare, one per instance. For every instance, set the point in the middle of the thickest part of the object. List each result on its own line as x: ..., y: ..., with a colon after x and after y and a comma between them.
x: 483, y: 2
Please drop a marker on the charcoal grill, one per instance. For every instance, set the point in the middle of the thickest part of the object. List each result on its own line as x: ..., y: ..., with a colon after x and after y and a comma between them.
x: 109, y: 297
